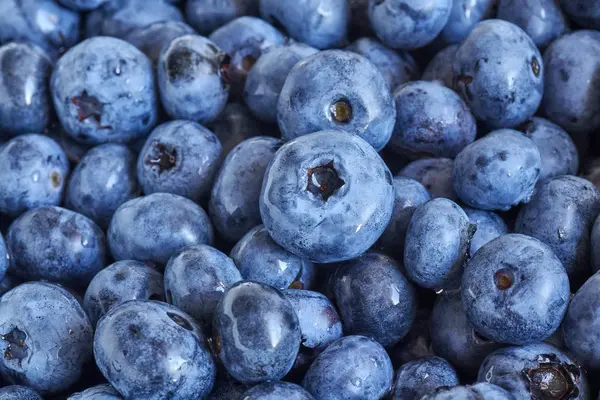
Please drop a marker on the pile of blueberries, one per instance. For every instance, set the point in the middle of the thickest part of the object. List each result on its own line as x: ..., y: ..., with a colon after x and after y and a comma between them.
x: 299, y: 199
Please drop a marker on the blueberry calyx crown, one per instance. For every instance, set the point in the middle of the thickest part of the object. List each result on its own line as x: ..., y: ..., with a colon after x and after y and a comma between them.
x: 461, y: 84
x: 552, y: 379
x: 324, y: 181
x: 504, y: 279
x: 535, y: 66
x: 341, y: 111
x: 89, y: 107
x: 16, y: 347
x: 162, y: 157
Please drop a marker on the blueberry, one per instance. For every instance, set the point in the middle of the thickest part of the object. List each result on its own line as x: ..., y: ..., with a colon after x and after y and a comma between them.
x: 196, y: 278
x: 57, y: 245
x: 17, y: 392
x: 208, y: 15
x: 45, y: 337
x: 435, y: 174
x: 536, y: 371
x: 515, y: 290
x: 103, y: 91
x: 351, y: 368
x: 336, y: 89
x: 151, y: 39
x: 5, y: 259
x: 82, y: 5
x: 439, y: 67
x: 319, y: 23
x: 482, y: 390
x: 153, y: 227
x: 408, y: 24
x: 179, y: 157
x: 489, y: 226
x: 499, y: 72
x: 584, y: 12
x: 257, y: 333
x: 277, y: 391
x: 34, y: 170
x: 497, y: 171
x: 7, y: 283
x: 417, y: 378
x: 431, y: 121
x: 151, y: 350
x: 104, y: 178
x: 99, y: 392
x: 464, y: 16
x: 326, y: 196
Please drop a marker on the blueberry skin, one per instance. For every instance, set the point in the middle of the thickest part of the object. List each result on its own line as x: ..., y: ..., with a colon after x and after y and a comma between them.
x: 153, y: 227
x: 208, y: 15
x: 583, y: 12
x: 497, y: 171
x: 396, y: 67
x: 571, y: 82
x: 277, y: 391
x: 152, y: 350
x: 319, y: 23
x: 55, y: 332
x: 234, y: 200
x: 17, y: 392
x: 320, y: 84
x: 120, y: 282
x: 267, y: 76
x: 5, y: 258
x: 478, y: 391
x: 439, y: 67
x: 104, y: 179
x: 82, y: 5
x: 437, y: 244
x: 248, y: 317
x: 499, y: 72
x: 260, y: 259
x: 561, y: 214
x: 431, y: 121
x: 515, y: 290
x: 375, y: 299
x: 99, y: 392
x: 57, y: 245
x: 179, y: 157
x: 516, y: 368
x: 317, y: 227
x: 151, y: 39
x: 417, y: 378
x: 35, y: 169
x: 25, y: 104
x: 433, y: 173
x: 409, y: 194
x: 103, y: 91
x: 351, y: 368
x: 195, y: 279
x: 489, y: 226
x: 464, y: 16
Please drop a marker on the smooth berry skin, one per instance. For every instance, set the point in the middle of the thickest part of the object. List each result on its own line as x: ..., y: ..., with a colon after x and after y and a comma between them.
x: 104, y: 178
x: 196, y: 278
x: 465, y: 14
x: 319, y: 82
x: 513, y: 367
x: 584, y: 12
x: 234, y: 200
x: 515, y: 290
x: 153, y: 227
x: 266, y: 78
x: 248, y: 317
x: 179, y: 157
x: 437, y: 244
x: 103, y: 91
x: 120, y: 282
x: 499, y: 72
x: 152, y: 350
x: 439, y: 69
x: 18, y: 392
x: 35, y: 169
x: 320, y: 228
x: 396, y: 67
x: 489, y: 226
x: 151, y: 39
x: 431, y: 121
x: 381, y: 308
x: 561, y: 214
x: 208, y: 15
x: 319, y: 23
x: 478, y: 391
x: 98, y: 392
x: 277, y: 391
x: 57, y: 245
x: 46, y: 317
x: 82, y: 5
x: 5, y: 259
x: 408, y: 24
x: 433, y: 173
x: 571, y: 83
x: 351, y: 368
x: 417, y: 378
x: 497, y: 171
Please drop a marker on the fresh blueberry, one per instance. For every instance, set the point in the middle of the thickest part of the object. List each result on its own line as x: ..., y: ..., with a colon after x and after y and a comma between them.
x: 195, y: 279
x: 153, y: 227
x: 433, y: 173
x: 17, y: 392
x: 319, y: 23
x: 99, y: 392
x: 408, y: 24
x: 499, y: 72
x: 151, y: 39
x: 351, y: 368
x: 464, y: 16
x: 257, y: 332
x: 103, y: 91
x: 439, y: 67
x: 57, y: 245
x: 489, y: 226
x: 497, y: 171
x: 5, y: 260
x: 277, y: 391
x: 327, y: 196
x: 208, y: 15
x: 227, y: 388
x: 478, y: 391
x: 34, y: 171
x: 120, y: 282
x: 515, y: 290
x: 420, y: 377
x: 104, y: 178
x: 151, y: 350
x: 584, y: 12
x: 336, y: 89
x: 46, y: 337
x: 82, y: 5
